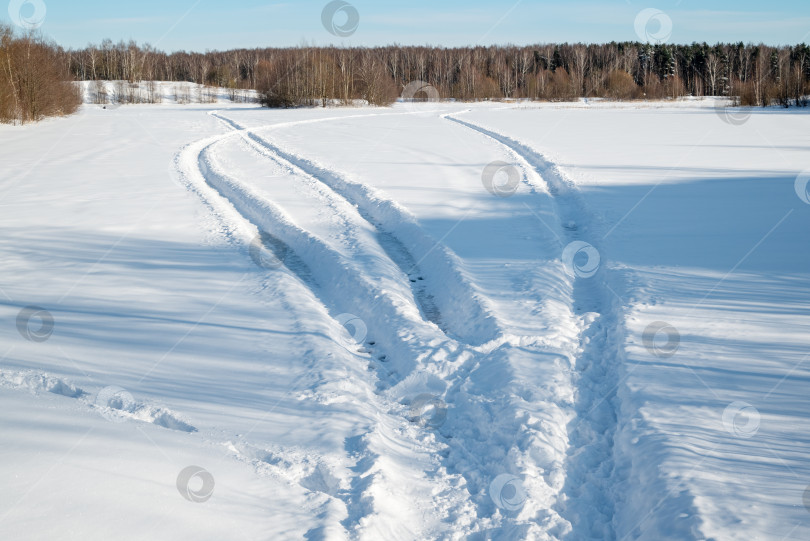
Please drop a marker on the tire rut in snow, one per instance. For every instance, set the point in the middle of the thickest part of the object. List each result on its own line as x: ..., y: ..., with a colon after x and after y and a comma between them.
x: 390, y: 244
x: 422, y: 286
x: 360, y: 497
x: 339, y: 285
x: 586, y: 500
x: 282, y: 254
x: 397, y: 252
x: 328, y: 268
x: 393, y: 247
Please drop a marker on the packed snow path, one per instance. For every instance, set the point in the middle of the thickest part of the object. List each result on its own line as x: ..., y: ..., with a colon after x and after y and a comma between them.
x: 397, y: 338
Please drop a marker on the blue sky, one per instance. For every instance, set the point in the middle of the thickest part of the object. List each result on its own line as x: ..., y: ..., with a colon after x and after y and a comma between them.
x: 210, y: 24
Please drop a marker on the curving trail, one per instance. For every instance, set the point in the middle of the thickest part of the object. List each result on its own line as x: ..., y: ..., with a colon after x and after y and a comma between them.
x: 404, y: 241
x: 590, y: 475
x: 338, y: 273
x: 537, y: 407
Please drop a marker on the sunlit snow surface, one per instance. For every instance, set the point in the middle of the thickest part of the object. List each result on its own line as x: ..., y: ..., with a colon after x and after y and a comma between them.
x: 228, y: 322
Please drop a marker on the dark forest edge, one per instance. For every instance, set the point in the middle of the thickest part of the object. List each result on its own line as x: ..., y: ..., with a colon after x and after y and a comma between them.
x: 35, y: 81
x: 747, y: 74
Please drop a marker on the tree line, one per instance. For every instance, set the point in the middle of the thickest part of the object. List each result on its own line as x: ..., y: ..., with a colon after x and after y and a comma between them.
x: 755, y: 74
x: 34, y: 72
x: 34, y: 79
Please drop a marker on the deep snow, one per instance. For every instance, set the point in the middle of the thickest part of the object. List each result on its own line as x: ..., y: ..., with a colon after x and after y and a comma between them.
x: 490, y: 321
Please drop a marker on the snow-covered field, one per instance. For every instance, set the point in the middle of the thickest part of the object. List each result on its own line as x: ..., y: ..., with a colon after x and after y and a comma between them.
x: 431, y: 321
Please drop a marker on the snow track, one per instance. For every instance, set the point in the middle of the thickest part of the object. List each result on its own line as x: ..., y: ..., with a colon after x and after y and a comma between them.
x: 552, y: 424
x: 405, y: 243
x: 393, y: 248
x: 111, y: 402
x: 398, y: 337
x: 486, y: 434
x: 587, y: 498
x: 361, y: 331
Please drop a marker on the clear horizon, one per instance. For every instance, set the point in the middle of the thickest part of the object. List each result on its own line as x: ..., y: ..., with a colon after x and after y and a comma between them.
x: 200, y: 25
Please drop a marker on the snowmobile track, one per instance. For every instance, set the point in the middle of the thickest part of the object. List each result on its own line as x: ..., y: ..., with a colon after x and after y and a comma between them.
x: 590, y: 473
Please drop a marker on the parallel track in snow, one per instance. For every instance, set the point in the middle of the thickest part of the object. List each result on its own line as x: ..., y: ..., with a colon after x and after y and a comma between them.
x: 401, y: 338
x: 424, y: 350
x: 587, y: 500
x: 393, y: 247
x: 386, y: 217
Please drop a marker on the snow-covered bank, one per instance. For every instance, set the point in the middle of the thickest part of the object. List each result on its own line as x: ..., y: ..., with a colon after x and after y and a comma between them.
x: 113, y: 94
